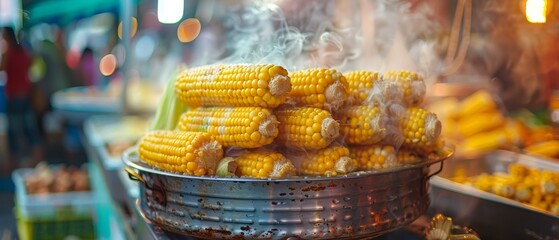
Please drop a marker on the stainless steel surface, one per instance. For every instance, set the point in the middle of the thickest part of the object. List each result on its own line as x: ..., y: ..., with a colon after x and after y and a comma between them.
x: 349, y: 207
x: 492, y: 216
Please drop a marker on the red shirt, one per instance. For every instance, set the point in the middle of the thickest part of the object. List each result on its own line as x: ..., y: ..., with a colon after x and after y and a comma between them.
x: 17, y: 69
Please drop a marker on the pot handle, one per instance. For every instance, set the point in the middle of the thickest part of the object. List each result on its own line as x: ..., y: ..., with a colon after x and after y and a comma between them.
x: 441, y: 163
x: 133, y: 175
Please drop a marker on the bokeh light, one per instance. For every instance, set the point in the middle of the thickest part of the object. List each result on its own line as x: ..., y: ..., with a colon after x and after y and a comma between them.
x: 107, y: 65
x: 189, y: 30
x: 133, y: 28
x: 72, y: 58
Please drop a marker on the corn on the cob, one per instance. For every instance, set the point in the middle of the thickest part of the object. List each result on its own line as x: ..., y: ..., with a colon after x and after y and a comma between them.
x: 478, y: 102
x: 362, y: 125
x: 306, y: 127
x: 471, y: 125
x: 360, y: 85
x: 545, y: 149
x: 318, y: 87
x: 374, y: 157
x: 421, y: 129
x: 264, y: 164
x: 247, y: 127
x: 186, y: 152
x: 233, y: 86
x: 404, y: 86
x: 329, y: 161
x: 518, y: 171
x: 483, y: 142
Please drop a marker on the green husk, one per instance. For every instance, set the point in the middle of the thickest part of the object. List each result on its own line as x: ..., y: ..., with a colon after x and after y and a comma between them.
x: 226, y: 167
x: 169, y: 109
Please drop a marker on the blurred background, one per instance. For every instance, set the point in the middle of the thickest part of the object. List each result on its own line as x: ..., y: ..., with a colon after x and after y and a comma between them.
x: 81, y: 80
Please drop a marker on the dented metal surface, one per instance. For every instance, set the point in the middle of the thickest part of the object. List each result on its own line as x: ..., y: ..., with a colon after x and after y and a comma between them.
x: 356, y: 206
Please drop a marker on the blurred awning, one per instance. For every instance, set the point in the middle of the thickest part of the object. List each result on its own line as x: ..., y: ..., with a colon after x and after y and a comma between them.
x: 63, y: 12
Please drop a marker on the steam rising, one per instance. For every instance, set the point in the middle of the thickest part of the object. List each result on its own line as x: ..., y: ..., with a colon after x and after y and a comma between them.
x: 334, y: 34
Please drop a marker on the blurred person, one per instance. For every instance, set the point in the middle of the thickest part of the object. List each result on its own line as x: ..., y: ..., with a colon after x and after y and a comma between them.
x: 21, y: 118
x: 87, y: 69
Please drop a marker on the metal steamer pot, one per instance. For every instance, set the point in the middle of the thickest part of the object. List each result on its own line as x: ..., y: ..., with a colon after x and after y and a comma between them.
x: 353, y: 206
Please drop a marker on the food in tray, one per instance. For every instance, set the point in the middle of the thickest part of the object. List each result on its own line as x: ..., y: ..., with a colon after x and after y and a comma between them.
x: 532, y: 186
x: 303, y: 118
x: 476, y: 126
x: 45, y: 180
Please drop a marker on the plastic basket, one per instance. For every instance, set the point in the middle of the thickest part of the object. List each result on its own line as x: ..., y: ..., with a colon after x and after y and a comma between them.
x: 50, y: 205
x: 64, y: 225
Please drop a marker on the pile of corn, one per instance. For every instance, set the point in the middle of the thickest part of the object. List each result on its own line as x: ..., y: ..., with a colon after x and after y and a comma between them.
x: 476, y: 126
x: 261, y: 121
x: 537, y: 188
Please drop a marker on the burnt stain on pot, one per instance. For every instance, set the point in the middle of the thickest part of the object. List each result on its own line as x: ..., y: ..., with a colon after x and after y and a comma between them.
x: 314, y: 188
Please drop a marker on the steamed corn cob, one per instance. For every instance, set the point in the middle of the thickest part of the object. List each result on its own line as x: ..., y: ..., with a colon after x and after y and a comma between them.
x: 306, y: 127
x: 186, y: 152
x: 247, y: 127
x: 478, y: 123
x: 478, y: 102
x: 483, y: 142
x: 374, y: 157
x: 362, y: 125
x: 318, y: 87
x: 264, y: 164
x: 421, y: 129
x: 360, y: 85
x: 329, y: 161
x: 545, y: 149
x: 233, y: 86
x: 403, y: 86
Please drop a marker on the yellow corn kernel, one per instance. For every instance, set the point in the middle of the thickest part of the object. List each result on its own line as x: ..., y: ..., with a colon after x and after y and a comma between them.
x: 264, y: 164
x: 403, y: 86
x: 406, y: 156
x: 362, y: 125
x: 306, y: 127
x: 479, y: 102
x: 483, y: 182
x: 523, y: 193
x: 318, y: 87
x: 233, y: 86
x: 421, y: 129
x: 329, y: 161
x: 474, y: 124
x: 360, y: 85
x: 374, y: 157
x: 247, y: 127
x: 185, y: 152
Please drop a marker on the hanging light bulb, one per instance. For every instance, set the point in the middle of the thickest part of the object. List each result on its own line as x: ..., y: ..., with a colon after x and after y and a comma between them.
x: 536, y: 11
x: 170, y: 11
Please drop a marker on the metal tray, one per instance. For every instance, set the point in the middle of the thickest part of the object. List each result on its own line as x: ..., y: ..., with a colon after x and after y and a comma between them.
x: 353, y: 206
x: 492, y: 216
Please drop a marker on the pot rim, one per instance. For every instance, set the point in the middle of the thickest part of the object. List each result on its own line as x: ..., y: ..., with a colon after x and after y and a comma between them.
x: 130, y: 158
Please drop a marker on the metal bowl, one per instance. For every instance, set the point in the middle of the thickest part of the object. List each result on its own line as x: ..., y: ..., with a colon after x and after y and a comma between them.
x: 353, y: 206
